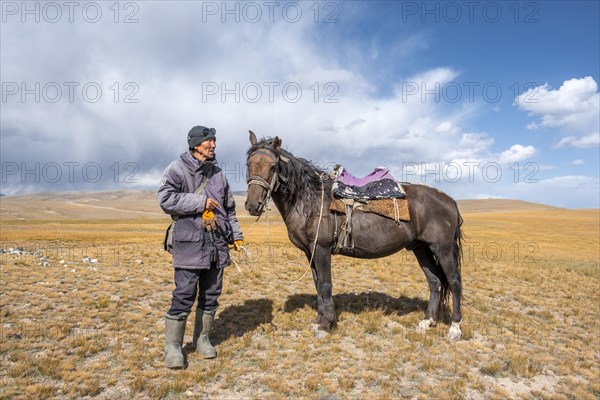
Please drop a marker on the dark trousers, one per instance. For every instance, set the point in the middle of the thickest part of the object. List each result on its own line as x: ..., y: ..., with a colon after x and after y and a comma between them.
x: 206, y: 284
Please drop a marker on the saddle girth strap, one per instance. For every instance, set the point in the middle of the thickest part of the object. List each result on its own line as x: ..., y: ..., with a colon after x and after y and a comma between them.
x: 344, y: 239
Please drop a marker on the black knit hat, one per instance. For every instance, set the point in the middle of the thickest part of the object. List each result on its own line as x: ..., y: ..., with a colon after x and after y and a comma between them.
x: 199, y: 134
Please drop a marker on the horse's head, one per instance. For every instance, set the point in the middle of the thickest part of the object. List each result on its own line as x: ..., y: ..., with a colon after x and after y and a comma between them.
x: 263, y: 173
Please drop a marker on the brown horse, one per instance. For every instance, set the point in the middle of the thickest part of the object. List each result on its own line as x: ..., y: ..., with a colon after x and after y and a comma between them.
x: 302, y: 194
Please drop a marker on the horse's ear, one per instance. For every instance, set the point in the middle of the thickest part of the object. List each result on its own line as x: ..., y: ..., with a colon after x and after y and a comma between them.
x: 252, y: 138
x: 276, y: 143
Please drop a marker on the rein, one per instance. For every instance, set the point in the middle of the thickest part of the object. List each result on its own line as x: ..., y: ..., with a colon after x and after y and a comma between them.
x: 323, y: 177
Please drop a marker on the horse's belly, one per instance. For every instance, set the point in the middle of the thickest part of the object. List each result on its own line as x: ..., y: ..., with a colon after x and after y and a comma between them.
x: 376, y: 246
x: 364, y: 253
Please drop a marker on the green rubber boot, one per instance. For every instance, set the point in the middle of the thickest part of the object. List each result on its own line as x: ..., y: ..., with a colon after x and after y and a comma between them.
x: 174, y: 332
x: 202, y: 326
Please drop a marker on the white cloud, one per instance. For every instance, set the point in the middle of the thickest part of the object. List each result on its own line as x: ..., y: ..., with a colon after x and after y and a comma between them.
x: 171, y: 57
x: 574, y: 106
x: 516, y: 153
x: 172, y: 69
x: 446, y: 127
x: 473, y: 146
x: 578, y: 162
x: 485, y: 196
x: 592, y: 140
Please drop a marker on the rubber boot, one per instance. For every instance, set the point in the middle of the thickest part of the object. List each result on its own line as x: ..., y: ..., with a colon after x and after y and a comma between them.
x: 174, y: 331
x: 202, y: 326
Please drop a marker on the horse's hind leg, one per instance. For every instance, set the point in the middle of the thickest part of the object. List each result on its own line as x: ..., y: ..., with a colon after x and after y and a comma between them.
x: 450, y: 264
x: 435, y: 277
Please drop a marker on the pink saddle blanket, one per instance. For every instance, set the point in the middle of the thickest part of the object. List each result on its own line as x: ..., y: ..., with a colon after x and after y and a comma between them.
x: 378, y: 174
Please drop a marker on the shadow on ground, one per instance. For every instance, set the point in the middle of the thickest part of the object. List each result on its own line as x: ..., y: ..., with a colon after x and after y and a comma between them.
x: 357, y: 303
x: 235, y: 321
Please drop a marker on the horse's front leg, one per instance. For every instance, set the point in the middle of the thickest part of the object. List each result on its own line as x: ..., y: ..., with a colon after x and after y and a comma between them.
x: 321, y: 270
x: 320, y: 311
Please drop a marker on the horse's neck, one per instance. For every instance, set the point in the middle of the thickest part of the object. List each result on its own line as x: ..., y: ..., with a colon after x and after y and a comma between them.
x: 286, y: 208
x: 291, y: 207
x: 293, y: 218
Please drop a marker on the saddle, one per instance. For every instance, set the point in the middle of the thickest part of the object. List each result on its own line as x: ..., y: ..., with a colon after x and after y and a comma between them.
x: 379, y: 184
x: 378, y: 192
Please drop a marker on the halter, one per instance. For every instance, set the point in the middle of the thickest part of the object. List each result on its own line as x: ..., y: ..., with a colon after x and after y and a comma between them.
x: 260, y: 181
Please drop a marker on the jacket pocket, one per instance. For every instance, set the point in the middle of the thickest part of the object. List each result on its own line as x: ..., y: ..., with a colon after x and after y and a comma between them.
x: 186, y: 231
x: 188, y: 244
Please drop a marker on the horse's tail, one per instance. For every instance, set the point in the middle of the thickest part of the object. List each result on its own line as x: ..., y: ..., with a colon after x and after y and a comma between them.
x: 457, y: 245
x: 457, y: 255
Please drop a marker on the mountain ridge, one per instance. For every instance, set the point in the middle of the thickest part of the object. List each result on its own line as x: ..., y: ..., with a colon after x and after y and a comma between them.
x: 111, y: 204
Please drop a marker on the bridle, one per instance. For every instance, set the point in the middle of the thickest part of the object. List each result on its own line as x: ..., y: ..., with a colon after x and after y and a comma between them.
x: 274, y: 184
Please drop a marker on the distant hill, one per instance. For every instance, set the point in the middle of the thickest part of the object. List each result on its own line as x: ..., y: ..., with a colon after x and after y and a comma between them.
x: 81, y: 205
x: 110, y: 204
x: 496, y: 205
x: 131, y: 204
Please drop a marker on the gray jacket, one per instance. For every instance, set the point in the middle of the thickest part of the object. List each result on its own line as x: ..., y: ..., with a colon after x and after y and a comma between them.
x: 193, y: 247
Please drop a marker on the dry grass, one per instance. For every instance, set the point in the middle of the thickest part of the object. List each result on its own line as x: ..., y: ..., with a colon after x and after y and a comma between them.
x: 79, y: 329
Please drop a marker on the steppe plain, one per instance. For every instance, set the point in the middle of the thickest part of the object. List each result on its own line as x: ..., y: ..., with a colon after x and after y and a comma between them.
x: 71, y: 328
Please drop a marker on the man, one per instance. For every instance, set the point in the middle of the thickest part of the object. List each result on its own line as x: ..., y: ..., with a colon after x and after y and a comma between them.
x: 200, y: 250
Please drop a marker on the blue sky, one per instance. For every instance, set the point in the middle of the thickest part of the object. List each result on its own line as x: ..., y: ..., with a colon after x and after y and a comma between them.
x: 481, y: 99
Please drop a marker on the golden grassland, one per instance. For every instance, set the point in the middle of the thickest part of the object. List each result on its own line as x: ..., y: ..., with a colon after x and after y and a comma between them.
x: 96, y: 330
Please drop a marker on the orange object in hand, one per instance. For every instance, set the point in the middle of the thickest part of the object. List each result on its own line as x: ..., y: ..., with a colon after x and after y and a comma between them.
x: 208, y: 221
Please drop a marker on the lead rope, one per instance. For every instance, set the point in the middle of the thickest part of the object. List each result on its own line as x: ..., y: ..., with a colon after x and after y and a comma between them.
x: 266, y: 208
x: 244, y: 249
x: 322, y: 177
x: 269, y: 241
x: 269, y: 188
x: 312, y: 256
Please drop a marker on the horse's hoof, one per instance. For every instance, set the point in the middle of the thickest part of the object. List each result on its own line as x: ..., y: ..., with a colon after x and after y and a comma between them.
x: 319, y: 333
x: 454, y: 332
x: 425, y: 324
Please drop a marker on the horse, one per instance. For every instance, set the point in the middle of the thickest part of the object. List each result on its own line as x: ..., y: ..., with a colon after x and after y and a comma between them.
x: 302, y: 194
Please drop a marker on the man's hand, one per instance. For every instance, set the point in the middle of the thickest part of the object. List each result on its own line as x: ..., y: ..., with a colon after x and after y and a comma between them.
x: 211, y: 204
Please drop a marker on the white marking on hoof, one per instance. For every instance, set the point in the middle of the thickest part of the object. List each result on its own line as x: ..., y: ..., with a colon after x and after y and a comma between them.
x: 319, y: 334
x: 425, y: 324
x: 454, y: 332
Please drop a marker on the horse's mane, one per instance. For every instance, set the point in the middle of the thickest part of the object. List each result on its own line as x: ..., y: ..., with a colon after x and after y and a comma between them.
x: 303, y: 179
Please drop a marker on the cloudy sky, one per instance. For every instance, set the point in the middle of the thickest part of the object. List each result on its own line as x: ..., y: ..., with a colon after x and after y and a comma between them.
x: 480, y: 99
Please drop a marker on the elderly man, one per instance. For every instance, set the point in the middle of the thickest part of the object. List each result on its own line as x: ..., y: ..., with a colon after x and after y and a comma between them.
x: 195, y: 192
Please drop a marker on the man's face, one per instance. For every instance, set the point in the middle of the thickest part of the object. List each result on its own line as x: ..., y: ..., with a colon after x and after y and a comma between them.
x: 206, y: 150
